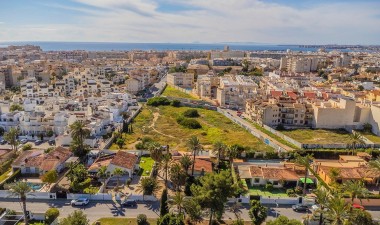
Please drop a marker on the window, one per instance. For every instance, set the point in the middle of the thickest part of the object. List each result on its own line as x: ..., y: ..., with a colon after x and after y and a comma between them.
x: 27, y: 169
x: 275, y: 182
x: 295, y: 121
x: 301, y: 121
x: 257, y: 180
x: 296, y: 115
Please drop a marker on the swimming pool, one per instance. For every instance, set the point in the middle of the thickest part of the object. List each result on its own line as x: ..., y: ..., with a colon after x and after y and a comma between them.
x: 35, y: 186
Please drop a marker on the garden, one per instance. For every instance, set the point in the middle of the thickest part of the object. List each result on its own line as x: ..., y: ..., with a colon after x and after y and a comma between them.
x: 146, y: 165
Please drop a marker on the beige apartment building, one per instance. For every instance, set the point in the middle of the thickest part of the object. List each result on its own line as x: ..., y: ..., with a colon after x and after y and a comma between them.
x: 234, y: 90
x: 183, y: 80
x: 299, y: 64
x: 206, y: 85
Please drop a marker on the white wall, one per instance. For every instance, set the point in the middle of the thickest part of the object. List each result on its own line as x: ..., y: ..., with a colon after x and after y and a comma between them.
x: 31, y: 195
x: 98, y: 196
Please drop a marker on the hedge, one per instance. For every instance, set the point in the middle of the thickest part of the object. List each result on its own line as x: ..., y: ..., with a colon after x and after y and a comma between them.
x: 157, y: 101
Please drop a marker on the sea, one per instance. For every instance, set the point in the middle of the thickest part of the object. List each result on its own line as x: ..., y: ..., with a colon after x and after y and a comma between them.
x: 114, y: 46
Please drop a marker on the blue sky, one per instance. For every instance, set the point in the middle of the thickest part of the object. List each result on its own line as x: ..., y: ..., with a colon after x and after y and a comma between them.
x: 262, y: 21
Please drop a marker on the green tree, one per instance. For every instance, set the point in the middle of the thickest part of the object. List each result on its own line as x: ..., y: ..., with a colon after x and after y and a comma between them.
x: 257, y: 212
x: 356, y: 189
x: 11, y: 137
x: 232, y: 152
x: 186, y: 163
x: 49, y: 133
x: 283, y: 220
x: 147, y: 186
x: 375, y: 167
x: 337, y: 209
x: 164, y: 166
x: 213, y: 192
x: 171, y: 219
x: 50, y: 177
x: 356, y: 140
x: 117, y: 172
x: 16, y: 107
x: 2, y: 131
x: 360, y: 217
x: 164, y: 208
x: 155, y: 151
x: 219, y: 149
x: 102, y: 175
x: 367, y: 127
x: 51, y: 214
x: 142, y: 219
x: 21, y: 189
x: 321, y: 194
x: 177, y: 175
x: 178, y: 201
x: 77, y: 176
x: 195, y: 146
x: 306, y: 162
x: 120, y: 142
x: 193, y: 210
x: 77, y: 217
x: 79, y: 133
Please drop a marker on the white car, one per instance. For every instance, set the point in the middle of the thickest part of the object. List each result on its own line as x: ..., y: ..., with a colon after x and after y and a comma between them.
x: 80, y: 201
x: 23, y: 141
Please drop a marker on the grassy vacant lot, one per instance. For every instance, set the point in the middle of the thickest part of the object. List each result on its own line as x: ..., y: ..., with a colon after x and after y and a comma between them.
x: 146, y: 165
x: 5, y: 175
x: 160, y: 124
x: 319, y: 136
x: 370, y: 136
x: 170, y: 91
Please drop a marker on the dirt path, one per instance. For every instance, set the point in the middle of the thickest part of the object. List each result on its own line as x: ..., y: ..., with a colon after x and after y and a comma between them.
x: 152, y: 125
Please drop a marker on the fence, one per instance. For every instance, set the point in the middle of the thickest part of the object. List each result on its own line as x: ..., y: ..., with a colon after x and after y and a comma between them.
x: 286, y: 200
x: 31, y: 195
x: 98, y: 196
x: 147, y: 198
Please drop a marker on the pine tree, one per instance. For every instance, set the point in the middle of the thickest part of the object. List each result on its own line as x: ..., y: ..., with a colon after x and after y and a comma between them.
x: 164, y: 209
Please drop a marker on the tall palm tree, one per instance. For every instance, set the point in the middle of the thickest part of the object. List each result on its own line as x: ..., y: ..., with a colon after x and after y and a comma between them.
x: 178, y: 201
x: 79, y: 133
x: 148, y: 186
x: 337, y: 209
x: 185, y: 162
x: 117, y: 172
x: 165, y: 165
x: 177, y: 175
x: 356, y: 189
x: 195, y: 146
x: 232, y: 153
x: 103, y: 175
x: 304, y: 161
x: 219, y: 149
x: 356, y: 140
x: 375, y: 166
x: 155, y: 151
x: 21, y: 189
x: 321, y: 195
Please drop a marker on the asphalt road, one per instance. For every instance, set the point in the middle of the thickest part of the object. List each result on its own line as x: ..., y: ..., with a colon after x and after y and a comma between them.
x: 95, y: 210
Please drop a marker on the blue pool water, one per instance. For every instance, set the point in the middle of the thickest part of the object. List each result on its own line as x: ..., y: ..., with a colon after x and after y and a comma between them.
x: 35, y: 186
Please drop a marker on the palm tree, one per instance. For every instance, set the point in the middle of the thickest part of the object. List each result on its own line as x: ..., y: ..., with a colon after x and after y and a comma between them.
x: 177, y: 175
x: 321, y: 195
x: 178, y: 201
x: 219, y: 150
x: 356, y: 189
x: 185, y: 162
x: 195, y: 146
x: 304, y: 161
x: 148, y: 186
x: 102, y: 174
x: 79, y: 133
x: 164, y: 166
x: 356, y: 140
x: 375, y: 166
x: 338, y: 209
x: 21, y: 189
x: 155, y: 151
x: 233, y: 152
x: 118, y: 172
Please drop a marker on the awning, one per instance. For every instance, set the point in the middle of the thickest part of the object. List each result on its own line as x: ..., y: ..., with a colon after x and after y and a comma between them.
x: 308, y: 180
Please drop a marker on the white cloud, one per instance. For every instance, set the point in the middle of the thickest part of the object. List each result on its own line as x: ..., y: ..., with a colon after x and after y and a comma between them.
x: 211, y: 21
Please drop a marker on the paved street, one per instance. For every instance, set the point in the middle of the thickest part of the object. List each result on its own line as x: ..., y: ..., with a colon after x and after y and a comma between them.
x: 99, y: 209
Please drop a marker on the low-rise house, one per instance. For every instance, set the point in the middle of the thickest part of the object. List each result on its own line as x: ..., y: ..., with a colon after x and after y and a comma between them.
x: 38, y: 162
x: 126, y: 161
x: 202, y: 165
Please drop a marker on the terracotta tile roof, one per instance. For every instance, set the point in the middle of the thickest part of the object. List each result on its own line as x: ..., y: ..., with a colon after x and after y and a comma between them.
x: 201, y: 164
x: 310, y: 95
x: 276, y: 94
x: 124, y: 159
x: 292, y: 95
x: 49, y: 164
x: 352, y: 173
x: 20, y: 160
x: 273, y: 173
x: 60, y: 153
x: 99, y: 162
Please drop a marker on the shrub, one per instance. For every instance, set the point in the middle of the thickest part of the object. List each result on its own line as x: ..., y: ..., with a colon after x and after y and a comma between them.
x: 50, y: 215
x: 91, y: 190
x: 290, y: 193
x: 204, y: 133
x: 269, y: 186
x: 142, y: 219
x: 26, y: 147
x: 175, y: 103
x: 157, y: 101
x: 189, y: 123
x: 271, y: 155
x: 191, y: 113
x: 298, y: 190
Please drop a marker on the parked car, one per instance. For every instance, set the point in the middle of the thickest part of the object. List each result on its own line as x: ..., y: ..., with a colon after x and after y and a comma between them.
x: 357, y: 206
x: 51, y: 142
x: 300, y: 208
x: 38, y: 142
x: 3, y: 142
x: 129, y: 203
x: 80, y: 201
x: 23, y: 141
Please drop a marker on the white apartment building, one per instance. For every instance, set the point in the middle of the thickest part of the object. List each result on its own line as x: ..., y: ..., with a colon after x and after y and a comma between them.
x: 299, y: 64
x: 234, y: 90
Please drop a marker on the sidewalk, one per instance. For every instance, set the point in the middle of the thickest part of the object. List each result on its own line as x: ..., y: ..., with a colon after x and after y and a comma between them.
x: 261, y: 135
